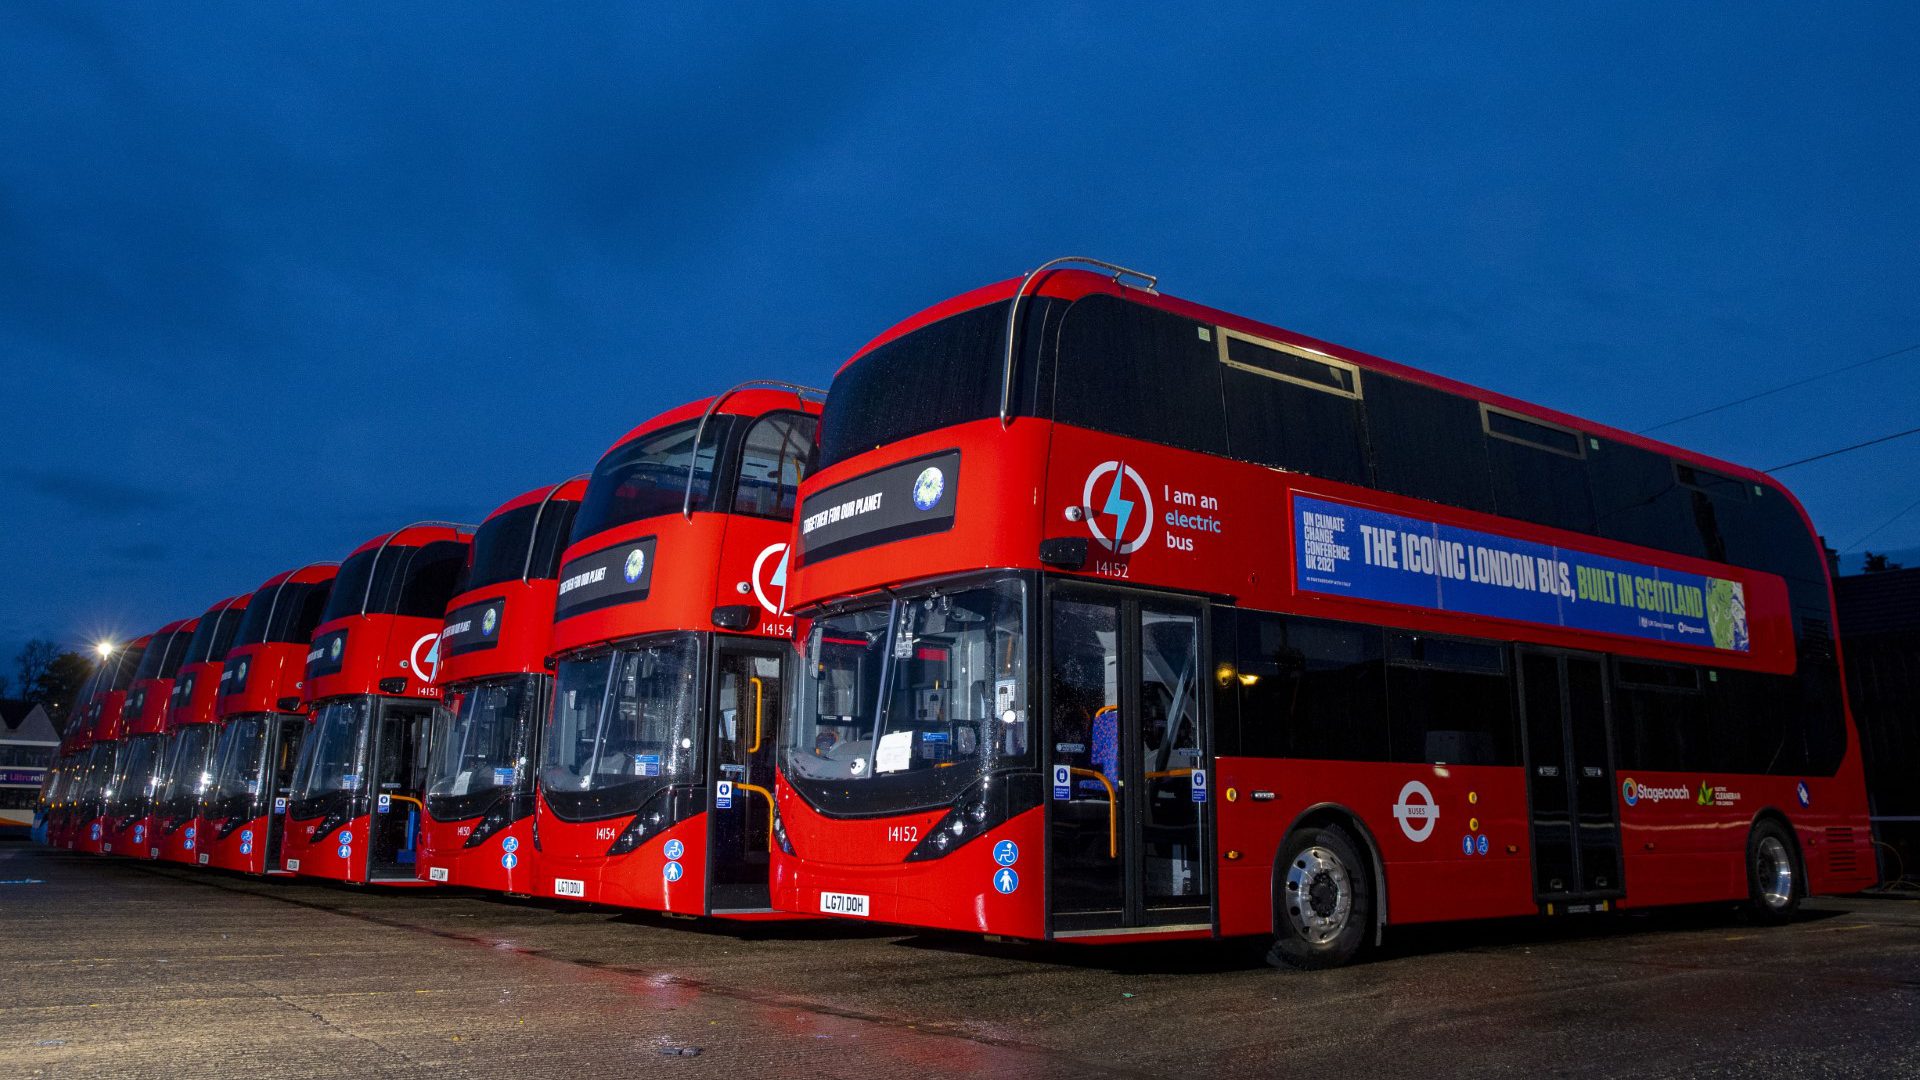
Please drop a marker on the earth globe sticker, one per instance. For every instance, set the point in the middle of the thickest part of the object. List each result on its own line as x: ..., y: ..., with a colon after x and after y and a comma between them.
x: 489, y: 621
x: 928, y: 487
x: 636, y: 562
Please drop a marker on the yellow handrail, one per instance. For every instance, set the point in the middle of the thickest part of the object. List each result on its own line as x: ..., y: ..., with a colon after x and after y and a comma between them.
x: 1169, y: 772
x: 759, y: 710
x: 765, y: 794
x: 407, y: 798
x: 1113, y: 810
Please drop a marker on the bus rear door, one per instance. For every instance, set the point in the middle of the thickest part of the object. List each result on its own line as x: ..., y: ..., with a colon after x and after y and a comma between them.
x: 1129, y: 801
x: 1576, y: 823
x: 281, y: 756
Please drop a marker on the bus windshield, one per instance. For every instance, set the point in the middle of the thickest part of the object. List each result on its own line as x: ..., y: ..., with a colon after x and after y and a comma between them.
x: 236, y: 777
x: 481, y: 751
x: 187, y: 775
x: 333, y: 758
x: 139, y: 776
x: 905, y: 704
x: 623, y: 728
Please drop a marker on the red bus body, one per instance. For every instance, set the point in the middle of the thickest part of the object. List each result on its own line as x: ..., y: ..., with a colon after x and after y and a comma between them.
x: 108, y: 725
x: 478, y: 828
x: 1120, y: 544
x: 130, y: 810
x: 262, y: 712
x: 670, y: 637
x: 355, y: 798
x: 192, y: 728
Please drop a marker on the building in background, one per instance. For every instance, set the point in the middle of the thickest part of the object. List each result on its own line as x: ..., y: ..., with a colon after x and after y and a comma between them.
x: 1880, y: 640
x: 27, y: 744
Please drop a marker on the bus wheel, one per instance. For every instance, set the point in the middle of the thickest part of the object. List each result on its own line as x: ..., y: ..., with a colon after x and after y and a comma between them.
x: 1324, y: 903
x: 1774, y: 881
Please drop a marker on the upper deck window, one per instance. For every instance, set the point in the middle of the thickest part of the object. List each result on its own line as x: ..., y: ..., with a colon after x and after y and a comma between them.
x: 1292, y: 408
x: 162, y: 659
x: 286, y: 613
x: 942, y: 374
x: 1527, y: 431
x: 214, y: 636
x: 1137, y: 371
x: 773, y: 461
x: 499, y: 550
x: 647, y: 476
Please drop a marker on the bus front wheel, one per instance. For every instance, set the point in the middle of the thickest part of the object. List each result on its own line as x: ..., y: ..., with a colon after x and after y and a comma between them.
x: 1323, y: 902
x: 1774, y: 880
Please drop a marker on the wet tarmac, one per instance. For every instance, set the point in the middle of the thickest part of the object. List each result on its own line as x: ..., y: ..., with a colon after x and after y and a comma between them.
x: 115, y: 969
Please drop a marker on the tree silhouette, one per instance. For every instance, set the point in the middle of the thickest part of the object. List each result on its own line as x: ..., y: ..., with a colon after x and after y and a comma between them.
x: 1876, y: 563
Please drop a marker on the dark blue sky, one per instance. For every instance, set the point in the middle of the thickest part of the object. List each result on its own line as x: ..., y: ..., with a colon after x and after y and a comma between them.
x: 276, y: 277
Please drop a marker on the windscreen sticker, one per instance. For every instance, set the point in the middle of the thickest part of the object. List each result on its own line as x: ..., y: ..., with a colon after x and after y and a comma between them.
x: 1351, y: 551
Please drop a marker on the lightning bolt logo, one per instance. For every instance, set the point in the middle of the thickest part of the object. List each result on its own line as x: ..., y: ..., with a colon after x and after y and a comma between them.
x: 1118, y: 505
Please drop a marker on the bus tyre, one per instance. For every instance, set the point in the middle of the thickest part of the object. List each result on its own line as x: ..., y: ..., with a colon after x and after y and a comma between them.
x: 1774, y: 879
x: 1323, y: 902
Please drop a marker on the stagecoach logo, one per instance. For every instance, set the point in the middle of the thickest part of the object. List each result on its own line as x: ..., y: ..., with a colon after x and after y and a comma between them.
x: 490, y: 620
x: 1125, y: 500
x: 1416, y: 811
x: 1633, y: 792
x: 928, y: 487
x: 636, y: 562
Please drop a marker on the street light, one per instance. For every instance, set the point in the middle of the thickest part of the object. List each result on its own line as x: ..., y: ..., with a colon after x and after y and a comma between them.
x: 104, y: 648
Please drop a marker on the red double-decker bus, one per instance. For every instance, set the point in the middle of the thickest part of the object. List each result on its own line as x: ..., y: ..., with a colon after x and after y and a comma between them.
x: 478, y: 829
x: 356, y: 796
x: 73, y: 765
x: 108, y: 755
x: 192, y: 729
x: 671, y: 639
x: 1129, y: 619
x: 262, y: 708
x: 143, y: 723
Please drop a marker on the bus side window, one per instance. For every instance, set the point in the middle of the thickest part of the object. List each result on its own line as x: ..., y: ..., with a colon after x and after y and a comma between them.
x: 1312, y: 688
x: 1450, y: 700
x: 1128, y: 369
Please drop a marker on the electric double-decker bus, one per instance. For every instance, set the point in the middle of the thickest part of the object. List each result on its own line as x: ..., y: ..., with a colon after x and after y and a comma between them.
x: 478, y: 828
x: 70, y: 765
x: 358, y: 791
x: 192, y: 730
x: 670, y: 639
x: 262, y: 708
x: 108, y: 756
x: 143, y: 720
x: 1128, y: 618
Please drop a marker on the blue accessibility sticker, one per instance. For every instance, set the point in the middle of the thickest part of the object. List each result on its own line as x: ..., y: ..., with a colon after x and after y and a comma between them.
x: 511, y: 843
x: 1062, y: 782
x: 246, y: 836
x: 509, y: 860
x: 675, y: 849
x: 346, y: 838
x: 1466, y: 845
x: 345, y: 852
x: 1005, y: 881
x: 1800, y: 792
x: 1480, y: 842
x: 246, y: 847
x: 673, y: 872
x: 1006, y: 853
x: 1199, y: 785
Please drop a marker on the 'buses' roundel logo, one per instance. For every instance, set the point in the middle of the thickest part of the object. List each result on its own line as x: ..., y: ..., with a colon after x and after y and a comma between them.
x: 1122, y: 500
x: 636, y: 562
x: 1416, y: 811
x: 928, y: 487
x: 488, y: 621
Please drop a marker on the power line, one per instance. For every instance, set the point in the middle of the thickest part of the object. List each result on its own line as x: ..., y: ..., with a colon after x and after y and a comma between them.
x: 1876, y: 529
x: 1778, y: 389
x: 1847, y: 449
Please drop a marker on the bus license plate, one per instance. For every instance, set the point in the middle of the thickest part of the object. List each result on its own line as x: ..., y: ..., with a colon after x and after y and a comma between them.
x: 567, y: 887
x: 839, y: 903
x: 436, y: 873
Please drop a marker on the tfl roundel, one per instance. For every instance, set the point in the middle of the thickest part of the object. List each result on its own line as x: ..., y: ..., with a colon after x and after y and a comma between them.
x: 1118, y: 507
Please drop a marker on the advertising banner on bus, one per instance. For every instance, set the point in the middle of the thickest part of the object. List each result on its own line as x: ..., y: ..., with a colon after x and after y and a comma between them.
x: 1359, y: 553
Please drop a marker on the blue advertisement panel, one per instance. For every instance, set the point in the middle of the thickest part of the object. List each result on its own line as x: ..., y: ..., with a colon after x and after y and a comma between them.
x: 1350, y: 551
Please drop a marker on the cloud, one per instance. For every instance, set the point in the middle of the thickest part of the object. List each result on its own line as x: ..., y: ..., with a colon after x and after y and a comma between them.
x: 94, y: 495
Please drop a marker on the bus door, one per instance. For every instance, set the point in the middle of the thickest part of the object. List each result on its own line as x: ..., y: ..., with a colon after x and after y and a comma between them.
x: 1128, y: 822
x: 400, y: 780
x: 745, y: 725
x: 281, y: 753
x: 1576, y: 824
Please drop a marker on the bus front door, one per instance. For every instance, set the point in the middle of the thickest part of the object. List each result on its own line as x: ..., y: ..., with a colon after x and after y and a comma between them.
x: 1576, y: 824
x: 281, y: 754
x: 399, y: 769
x: 1129, y: 803
x: 745, y: 725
